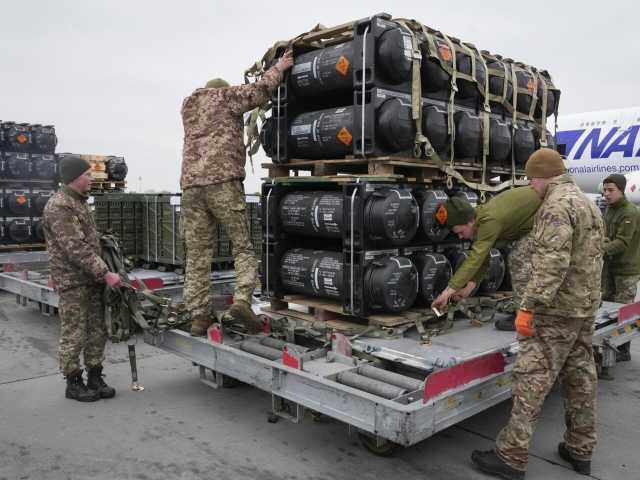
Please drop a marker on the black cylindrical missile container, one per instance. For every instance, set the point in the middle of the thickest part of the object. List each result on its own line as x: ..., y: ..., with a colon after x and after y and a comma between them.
x: 390, y: 215
x: 389, y: 283
x: 313, y: 272
x: 494, y: 275
x: 16, y: 203
x: 39, y: 201
x: 524, y: 143
x: 312, y: 213
x: 468, y: 140
x: 432, y: 214
x: 330, y: 69
x: 43, y: 139
x: 499, y: 142
x: 117, y: 169
x: 434, y: 273
x: 43, y: 166
x: 435, y: 127
x: 467, y: 88
x: 38, y: 231
x: 322, y: 134
x: 322, y: 71
x: 18, y: 230
x: 15, y: 165
x: 17, y: 137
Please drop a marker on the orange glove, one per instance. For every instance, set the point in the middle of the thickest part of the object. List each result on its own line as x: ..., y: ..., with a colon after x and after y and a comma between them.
x: 524, y: 323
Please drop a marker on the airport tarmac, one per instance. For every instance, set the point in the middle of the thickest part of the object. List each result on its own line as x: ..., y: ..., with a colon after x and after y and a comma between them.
x: 181, y: 429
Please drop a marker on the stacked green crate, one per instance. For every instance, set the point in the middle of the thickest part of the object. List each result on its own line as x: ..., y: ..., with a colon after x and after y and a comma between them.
x: 120, y: 214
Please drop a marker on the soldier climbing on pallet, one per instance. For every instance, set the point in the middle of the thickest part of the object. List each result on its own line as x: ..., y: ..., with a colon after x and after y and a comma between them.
x: 508, y: 217
x: 213, y: 168
x: 78, y: 273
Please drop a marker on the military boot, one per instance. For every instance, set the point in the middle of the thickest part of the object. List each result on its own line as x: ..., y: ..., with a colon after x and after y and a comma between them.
x: 77, y: 390
x: 490, y: 462
x: 624, y: 353
x: 200, y: 324
x: 95, y: 382
x: 581, y: 466
x: 241, y: 312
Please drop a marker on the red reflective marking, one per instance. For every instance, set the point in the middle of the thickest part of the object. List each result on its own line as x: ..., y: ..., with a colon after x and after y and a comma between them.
x: 214, y: 334
x: 461, y: 374
x: 290, y: 360
x: 150, y: 283
x: 628, y: 312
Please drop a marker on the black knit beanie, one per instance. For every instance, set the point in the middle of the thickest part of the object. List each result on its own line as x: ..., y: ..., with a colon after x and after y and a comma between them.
x: 71, y: 167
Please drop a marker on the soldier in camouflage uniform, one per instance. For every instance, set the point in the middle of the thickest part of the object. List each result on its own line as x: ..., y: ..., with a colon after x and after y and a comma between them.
x: 79, y: 275
x: 213, y: 163
x: 508, y: 217
x: 621, y: 272
x: 555, y: 323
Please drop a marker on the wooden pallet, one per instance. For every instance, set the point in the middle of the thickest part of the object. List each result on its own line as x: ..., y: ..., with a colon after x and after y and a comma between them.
x: 399, y: 168
x: 22, y: 247
x: 332, y: 313
x: 102, y: 186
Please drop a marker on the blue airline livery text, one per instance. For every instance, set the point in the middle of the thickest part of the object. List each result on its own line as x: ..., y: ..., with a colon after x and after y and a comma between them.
x: 600, y: 143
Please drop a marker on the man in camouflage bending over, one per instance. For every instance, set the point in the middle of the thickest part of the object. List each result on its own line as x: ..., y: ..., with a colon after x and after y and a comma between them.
x: 213, y: 161
x: 79, y: 275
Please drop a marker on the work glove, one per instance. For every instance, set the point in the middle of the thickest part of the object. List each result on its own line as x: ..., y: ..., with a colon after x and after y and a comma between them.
x: 524, y: 323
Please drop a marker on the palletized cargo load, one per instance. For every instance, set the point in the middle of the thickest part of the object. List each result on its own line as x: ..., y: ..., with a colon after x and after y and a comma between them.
x: 385, y: 88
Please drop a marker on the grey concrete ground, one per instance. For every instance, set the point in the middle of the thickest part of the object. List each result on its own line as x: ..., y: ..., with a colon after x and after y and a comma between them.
x: 180, y: 429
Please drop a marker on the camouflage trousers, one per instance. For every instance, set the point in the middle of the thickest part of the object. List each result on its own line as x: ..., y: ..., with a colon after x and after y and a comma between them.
x: 560, y: 347
x: 520, y: 265
x: 202, y: 209
x: 619, y: 288
x: 82, y: 328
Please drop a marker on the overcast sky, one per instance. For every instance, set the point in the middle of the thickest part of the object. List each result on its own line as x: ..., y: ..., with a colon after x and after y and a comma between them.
x: 111, y: 75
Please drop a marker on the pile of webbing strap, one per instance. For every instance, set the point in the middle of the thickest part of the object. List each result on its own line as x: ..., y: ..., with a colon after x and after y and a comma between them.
x: 127, y: 306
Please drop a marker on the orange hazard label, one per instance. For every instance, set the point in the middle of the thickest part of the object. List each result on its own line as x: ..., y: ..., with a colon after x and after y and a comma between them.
x: 342, y: 65
x: 530, y: 86
x: 21, y: 200
x: 345, y: 136
x: 22, y: 138
x: 445, y: 52
x: 442, y: 215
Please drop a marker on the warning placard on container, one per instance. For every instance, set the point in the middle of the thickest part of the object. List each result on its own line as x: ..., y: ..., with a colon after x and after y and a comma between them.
x: 342, y: 65
x: 345, y: 136
x: 442, y: 215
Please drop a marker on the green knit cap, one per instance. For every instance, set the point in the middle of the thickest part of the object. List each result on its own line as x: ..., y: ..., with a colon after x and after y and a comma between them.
x: 217, y: 83
x: 71, y: 167
x: 459, y: 211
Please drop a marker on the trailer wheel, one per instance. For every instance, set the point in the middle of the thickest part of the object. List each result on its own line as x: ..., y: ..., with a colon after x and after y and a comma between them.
x: 378, y: 446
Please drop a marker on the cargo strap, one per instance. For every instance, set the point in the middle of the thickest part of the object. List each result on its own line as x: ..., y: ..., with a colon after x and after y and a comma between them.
x: 514, y: 118
x: 416, y: 90
x: 543, y: 110
x: 123, y: 306
x: 486, y: 123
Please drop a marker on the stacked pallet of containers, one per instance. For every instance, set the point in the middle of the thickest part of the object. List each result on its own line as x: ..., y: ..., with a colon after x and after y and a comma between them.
x: 148, y: 226
x: 28, y: 172
x: 364, y: 92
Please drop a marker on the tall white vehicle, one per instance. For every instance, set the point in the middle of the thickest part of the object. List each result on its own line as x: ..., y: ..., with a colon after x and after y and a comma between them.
x: 597, y: 144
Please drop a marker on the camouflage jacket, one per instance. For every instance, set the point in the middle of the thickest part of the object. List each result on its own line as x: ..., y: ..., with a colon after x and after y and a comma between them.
x: 568, y: 248
x: 213, y: 150
x: 72, y: 241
